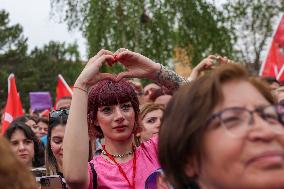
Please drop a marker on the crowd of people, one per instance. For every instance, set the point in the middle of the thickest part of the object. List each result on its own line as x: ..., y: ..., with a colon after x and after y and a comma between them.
x: 222, y: 129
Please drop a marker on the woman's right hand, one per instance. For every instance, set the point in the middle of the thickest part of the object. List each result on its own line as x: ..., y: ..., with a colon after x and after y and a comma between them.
x: 91, y: 74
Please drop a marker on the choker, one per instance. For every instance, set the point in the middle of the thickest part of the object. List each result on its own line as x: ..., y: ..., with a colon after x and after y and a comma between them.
x: 104, y: 152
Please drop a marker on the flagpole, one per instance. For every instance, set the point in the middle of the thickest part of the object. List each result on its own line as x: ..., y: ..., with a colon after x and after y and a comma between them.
x: 271, y: 40
x: 9, y: 79
x: 280, y: 73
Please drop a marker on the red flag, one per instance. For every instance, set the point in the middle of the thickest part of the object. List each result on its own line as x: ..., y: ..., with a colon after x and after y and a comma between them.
x: 273, y: 64
x: 44, y: 113
x: 14, y: 106
x: 62, y: 88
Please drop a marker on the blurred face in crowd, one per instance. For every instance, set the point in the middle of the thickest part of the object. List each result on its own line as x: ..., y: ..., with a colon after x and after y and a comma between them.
x: 163, y: 99
x: 151, y: 92
x: 43, y: 129
x: 63, y: 104
x: 251, y: 159
x: 22, y: 147
x: 151, y: 124
x: 35, y: 128
x: 56, y: 143
x: 116, y: 121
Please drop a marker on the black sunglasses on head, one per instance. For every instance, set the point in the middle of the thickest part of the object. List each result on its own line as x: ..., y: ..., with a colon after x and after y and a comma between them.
x: 57, y: 113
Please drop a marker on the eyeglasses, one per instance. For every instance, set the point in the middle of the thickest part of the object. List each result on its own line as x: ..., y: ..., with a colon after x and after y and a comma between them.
x: 236, y: 120
x: 57, y: 113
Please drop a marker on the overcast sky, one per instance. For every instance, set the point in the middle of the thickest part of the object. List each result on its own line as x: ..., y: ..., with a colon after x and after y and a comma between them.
x: 38, y: 25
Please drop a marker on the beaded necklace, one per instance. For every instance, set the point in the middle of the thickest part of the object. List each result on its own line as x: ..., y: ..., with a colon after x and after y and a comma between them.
x: 118, y: 155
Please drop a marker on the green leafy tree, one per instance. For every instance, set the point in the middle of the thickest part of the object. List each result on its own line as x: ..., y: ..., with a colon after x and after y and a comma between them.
x: 13, y: 51
x: 11, y: 37
x: 43, y: 66
x: 153, y: 28
x: 35, y: 71
x: 252, y: 23
x: 200, y: 28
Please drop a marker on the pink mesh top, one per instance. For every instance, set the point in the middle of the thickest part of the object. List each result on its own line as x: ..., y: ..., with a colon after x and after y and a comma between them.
x: 108, y: 175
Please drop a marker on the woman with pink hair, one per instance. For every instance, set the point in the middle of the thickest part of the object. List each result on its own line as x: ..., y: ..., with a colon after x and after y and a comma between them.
x: 105, y: 105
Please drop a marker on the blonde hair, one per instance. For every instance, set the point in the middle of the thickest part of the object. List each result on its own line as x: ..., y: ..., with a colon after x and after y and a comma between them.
x: 149, y: 107
x: 144, y: 110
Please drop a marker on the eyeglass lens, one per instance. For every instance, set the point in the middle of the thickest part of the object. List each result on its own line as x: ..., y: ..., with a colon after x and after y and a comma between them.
x: 237, y: 121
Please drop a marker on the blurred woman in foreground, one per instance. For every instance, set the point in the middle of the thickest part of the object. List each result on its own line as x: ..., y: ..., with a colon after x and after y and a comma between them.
x: 228, y: 134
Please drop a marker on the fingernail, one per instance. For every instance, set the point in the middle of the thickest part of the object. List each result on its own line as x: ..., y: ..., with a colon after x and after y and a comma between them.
x: 115, y: 58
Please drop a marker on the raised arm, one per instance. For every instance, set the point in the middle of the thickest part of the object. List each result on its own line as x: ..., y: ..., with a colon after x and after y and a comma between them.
x: 142, y: 67
x: 76, y: 150
x: 207, y: 63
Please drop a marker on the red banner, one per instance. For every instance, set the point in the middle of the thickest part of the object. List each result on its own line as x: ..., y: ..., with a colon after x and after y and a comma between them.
x: 272, y: 66
x: 62, y: 88
x: 14, y: 106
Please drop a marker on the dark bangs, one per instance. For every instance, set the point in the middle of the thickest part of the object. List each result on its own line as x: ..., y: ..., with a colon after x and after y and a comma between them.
x: 113, y: 93
x: 38, y: 159
x: 18, y: 125
x: 110, y: 92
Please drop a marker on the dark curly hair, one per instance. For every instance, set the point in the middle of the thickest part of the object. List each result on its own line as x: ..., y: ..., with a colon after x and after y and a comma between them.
x: 109, y: 92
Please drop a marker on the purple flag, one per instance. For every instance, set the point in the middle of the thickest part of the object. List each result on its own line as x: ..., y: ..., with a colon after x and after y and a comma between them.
x: 40, y: 101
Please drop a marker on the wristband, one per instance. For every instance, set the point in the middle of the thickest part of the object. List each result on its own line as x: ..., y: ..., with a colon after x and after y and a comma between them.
x: 81, y: 89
